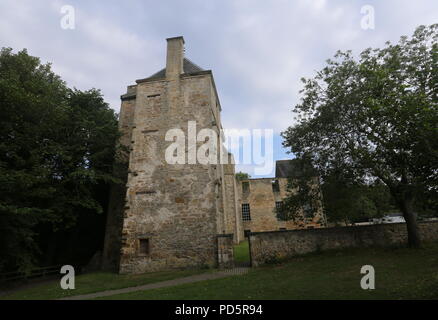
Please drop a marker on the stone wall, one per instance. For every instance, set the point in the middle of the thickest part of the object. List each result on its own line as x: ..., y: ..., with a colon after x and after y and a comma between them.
x: 171, y: 214
x: 233, y: 220
x: 273, y: 246
x: 114, y: 221
x: 174, y: 206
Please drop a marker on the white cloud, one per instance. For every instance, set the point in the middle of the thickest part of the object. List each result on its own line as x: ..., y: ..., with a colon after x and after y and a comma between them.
x: 257, y: 49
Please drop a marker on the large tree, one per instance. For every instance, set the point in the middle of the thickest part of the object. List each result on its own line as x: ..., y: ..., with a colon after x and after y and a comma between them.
x: 56, y: 151
x: 375, y: 117
x: 349, y: 201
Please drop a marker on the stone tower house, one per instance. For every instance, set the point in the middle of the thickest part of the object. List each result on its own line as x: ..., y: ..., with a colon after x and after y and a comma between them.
x: 170, y: 215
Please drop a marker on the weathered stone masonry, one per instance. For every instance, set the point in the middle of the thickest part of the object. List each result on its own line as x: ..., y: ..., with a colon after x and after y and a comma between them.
x: 169, y: 216
x: 172, y: 212
x: 261, y: 196
x: 273, y: 246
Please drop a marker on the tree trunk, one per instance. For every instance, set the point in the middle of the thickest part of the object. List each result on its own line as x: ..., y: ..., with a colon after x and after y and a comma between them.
x: 406, y: 206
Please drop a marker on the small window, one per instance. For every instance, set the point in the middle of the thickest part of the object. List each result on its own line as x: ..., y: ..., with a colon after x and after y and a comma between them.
x: 246, y: 214
x: 275, y: 186
x: 245, y: 187
x: 144, y: 247
x: 246, y: 233
x: 308, y: 211
x: 280, y: 215
x: 283, y: 229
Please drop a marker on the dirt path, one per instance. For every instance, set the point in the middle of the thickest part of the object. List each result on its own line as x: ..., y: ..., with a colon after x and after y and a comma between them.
x: 162, y: 284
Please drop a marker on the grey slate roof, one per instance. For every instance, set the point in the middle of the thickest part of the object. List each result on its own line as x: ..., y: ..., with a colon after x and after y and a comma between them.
x: 188, y: 67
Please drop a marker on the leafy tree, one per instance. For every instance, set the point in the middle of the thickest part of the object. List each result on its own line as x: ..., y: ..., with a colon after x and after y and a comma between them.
x: 351, y: 202
x: 242, y: 176
x: 375, y: 119
x: 56, y: 151
x: 344, y: 200
x: 304, y: 194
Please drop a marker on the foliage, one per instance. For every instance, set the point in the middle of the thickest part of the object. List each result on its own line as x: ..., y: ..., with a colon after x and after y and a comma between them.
x: 56, y: 151
x: 304, y: 196
x: 375, y: 119
x: 343, y: 200
x: 348, y: 202
x: 242, y: 176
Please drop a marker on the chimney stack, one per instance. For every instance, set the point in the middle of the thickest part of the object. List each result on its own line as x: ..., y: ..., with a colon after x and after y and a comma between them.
x: 175, y: 56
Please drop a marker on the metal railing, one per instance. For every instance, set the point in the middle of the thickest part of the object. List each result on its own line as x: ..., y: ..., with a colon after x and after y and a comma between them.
x: 40, y: 272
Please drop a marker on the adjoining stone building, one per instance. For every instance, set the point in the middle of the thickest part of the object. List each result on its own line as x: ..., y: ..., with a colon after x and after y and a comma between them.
x: 260, y: 197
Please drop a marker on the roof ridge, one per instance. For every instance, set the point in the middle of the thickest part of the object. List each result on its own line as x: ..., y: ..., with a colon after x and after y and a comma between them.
x: 188, y: 67
x: 197, y: 66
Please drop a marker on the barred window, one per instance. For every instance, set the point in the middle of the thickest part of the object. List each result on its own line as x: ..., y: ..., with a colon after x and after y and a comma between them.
x: 246, y: 214
x: 278, y: 204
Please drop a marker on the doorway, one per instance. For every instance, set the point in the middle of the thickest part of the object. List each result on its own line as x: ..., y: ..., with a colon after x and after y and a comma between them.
x: 242, y: 256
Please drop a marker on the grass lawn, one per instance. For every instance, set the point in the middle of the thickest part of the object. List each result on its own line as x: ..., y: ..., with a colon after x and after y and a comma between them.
x: 94, y: 282
x: 241, y: 252
x: 401, y: 273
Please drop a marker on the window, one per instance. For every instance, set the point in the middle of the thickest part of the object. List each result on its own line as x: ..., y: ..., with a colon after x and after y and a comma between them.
x: 246, y: 233
x: 245, y: 187
x: 144, y: 247
x: 283, y: 229
x: 275, y: 186
x: 280, y: 215
x: 246, y: 214
x: 308, y: 210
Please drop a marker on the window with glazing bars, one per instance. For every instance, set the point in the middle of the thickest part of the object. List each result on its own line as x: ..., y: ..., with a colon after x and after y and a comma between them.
x: 246, y: 214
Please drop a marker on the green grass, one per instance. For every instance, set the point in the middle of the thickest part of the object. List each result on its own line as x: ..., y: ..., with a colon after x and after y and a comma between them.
x: 241, y: 252
x: 401, y: 273
x: 94, y: 282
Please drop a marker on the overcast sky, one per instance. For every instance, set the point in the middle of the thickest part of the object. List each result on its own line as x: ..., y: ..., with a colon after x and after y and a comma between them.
x: 258, y: 50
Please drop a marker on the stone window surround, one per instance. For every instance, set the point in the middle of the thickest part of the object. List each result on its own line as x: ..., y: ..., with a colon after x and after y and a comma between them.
x: 144, y: 247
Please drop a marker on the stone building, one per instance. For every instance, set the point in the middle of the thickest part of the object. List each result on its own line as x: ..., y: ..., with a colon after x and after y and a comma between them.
x: 172, y: 213
x: 259, y: 198
x: 178, y: 215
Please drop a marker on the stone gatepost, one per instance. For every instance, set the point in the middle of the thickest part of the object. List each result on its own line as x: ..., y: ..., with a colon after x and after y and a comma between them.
x: 225, y: 251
